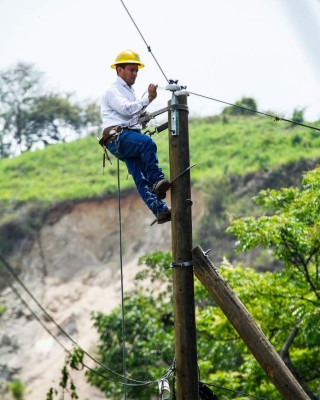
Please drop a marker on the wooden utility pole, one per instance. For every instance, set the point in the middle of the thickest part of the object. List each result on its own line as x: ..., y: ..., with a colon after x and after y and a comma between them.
x: 249, y: 331
x: 187, y: 387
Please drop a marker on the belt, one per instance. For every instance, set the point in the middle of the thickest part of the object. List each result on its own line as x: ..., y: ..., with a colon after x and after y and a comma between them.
x: 112, y: 132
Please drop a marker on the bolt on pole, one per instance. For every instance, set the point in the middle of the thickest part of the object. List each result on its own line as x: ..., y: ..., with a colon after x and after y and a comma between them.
x: 187, y: 385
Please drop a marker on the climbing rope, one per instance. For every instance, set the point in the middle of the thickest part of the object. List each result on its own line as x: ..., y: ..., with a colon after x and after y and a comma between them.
x: 121, y: 278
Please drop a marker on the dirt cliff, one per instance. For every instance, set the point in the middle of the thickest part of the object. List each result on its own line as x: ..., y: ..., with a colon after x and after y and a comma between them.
x: 73, y: 267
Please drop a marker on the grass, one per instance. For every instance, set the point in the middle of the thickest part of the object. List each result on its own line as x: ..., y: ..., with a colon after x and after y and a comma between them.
x: 73, y: 171
x: 33, y: 183
x: 247, y: 145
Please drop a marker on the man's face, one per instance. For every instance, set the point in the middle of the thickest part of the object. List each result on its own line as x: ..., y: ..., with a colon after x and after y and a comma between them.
x: 128, y: 73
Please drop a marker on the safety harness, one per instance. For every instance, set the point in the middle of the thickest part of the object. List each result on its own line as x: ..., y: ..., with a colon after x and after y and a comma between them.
x: 113, y: 132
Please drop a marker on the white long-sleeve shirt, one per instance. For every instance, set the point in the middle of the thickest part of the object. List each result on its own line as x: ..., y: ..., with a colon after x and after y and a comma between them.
x: 119, y: 105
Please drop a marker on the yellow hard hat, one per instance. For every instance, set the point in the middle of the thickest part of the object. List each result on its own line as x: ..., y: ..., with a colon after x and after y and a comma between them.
x: 127, y: 57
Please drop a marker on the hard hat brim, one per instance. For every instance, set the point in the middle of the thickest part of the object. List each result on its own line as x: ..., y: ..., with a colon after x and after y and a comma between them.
x: 140, y: 65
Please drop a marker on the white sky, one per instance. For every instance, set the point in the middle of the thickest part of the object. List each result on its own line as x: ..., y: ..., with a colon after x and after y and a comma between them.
x: 226, y: 49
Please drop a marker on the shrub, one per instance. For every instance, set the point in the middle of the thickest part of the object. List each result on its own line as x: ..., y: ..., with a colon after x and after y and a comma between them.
x: 16, y: 387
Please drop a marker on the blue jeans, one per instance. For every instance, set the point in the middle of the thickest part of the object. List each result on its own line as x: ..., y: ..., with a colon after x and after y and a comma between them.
x: 139, y: 152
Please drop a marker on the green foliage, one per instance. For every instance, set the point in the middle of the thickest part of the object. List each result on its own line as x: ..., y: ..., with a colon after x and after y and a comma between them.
x: 74, y: 170
x: 74, y: 361
x: 298, y: 115
x: 29, y: 115
x: 245, y: 106
x: 148, y: 333
x: 245, y: 146
x: 17, y: 389
x: 292, y: 232
x: 65, y: 171
x: 278, y: 303
x: 223, y: 359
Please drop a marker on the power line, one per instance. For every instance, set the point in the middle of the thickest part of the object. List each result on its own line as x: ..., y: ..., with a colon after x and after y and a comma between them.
x: 273, y: 116
x: 15, y: 291
x: 237, y: 392
x: 134, y: 382
x: 55, y: 338
x: 148, y: 47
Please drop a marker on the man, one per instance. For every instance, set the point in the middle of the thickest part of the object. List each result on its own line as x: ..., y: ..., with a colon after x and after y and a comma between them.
x: 139, y: 152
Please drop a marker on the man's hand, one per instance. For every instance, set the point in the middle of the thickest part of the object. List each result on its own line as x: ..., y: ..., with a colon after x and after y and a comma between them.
x: 152, y: 91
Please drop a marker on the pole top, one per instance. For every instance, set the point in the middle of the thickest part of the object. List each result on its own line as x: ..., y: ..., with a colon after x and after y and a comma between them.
x: 178, y: 90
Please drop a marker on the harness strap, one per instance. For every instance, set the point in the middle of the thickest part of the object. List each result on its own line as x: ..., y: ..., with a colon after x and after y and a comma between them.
x: 108, y: 135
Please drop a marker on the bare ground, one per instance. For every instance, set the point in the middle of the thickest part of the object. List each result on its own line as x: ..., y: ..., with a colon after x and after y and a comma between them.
x: 72, y: 269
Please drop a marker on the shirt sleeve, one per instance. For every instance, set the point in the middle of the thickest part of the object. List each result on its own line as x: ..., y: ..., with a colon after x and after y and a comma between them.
x: 120, y: 103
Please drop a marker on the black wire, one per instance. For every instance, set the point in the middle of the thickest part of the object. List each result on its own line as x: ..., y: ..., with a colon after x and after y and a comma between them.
x: 15, y: 291
x: 237, y: 392
x: 171, y: 369
x: 148, y: 47
x: 275, y: 117
x: 55, y: 337
x: 134, y: 382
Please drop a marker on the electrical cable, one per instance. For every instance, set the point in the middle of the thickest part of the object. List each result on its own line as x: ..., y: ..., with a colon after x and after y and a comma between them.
x: 15, y: 291
x: 134, y: 382
x: 55, y: 338
x: 275, y: 117
x: 165, y: 376
x: 148, y: 47
x: 238, y: 392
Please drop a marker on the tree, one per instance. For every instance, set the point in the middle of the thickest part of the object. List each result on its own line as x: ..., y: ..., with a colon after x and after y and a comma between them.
x: 223, y: 359
x: 298, y: 115
x: 29, y: 115
x: 148, y: 333
x: 244, y: 105
x: 292, y: 233
x: 285, y: 303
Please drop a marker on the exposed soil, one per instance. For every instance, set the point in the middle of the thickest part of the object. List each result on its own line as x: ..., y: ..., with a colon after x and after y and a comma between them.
x: 72, y: 268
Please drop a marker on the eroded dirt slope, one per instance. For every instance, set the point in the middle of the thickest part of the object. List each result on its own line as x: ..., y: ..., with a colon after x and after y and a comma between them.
x: 73, y: 267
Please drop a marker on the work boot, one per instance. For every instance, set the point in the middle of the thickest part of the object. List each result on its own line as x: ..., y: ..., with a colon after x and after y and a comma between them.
x: 160, y: 188
x: 164, y: 216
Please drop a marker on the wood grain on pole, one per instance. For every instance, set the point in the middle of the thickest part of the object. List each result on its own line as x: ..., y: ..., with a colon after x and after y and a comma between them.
x: 183, y: 276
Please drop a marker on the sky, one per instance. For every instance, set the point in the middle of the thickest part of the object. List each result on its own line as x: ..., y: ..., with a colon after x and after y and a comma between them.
x: 224, y: 49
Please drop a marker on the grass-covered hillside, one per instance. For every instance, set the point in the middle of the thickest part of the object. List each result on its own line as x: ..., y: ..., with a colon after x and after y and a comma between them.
x: 226, y: 149
x: 237, y: 146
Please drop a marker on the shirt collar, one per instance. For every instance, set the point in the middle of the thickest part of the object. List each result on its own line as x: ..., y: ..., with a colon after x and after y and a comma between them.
x: 122, y: 82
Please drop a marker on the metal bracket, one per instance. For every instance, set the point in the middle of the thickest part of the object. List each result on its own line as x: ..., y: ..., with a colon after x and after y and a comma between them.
x: 181, y: 264
x: 174, y: 116
x: 183, y: 107
x: 176, y: 90
x: 205, y: 253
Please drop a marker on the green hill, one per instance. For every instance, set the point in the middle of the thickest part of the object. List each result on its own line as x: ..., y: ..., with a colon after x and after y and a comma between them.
x: 226, y: 149
x: 236, y: 147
